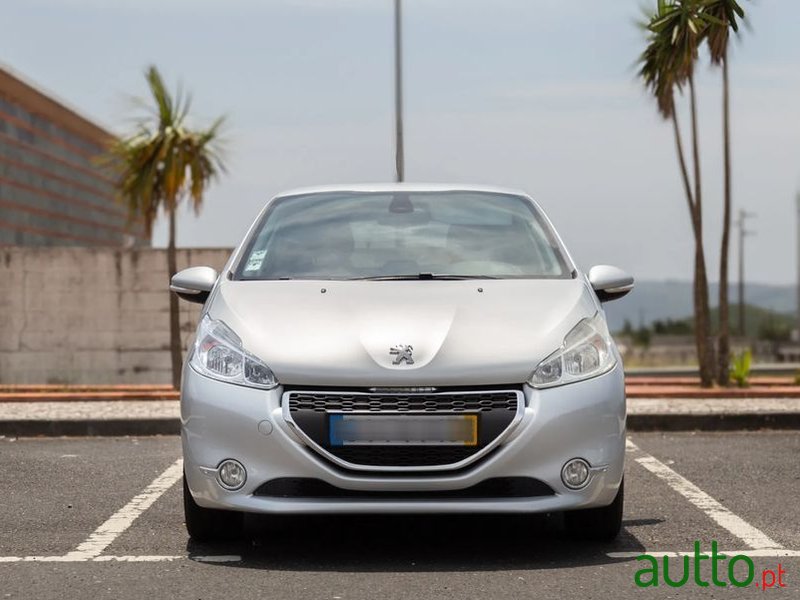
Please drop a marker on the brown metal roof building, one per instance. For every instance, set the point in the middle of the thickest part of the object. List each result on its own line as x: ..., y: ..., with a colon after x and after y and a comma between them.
x: 52, y: 192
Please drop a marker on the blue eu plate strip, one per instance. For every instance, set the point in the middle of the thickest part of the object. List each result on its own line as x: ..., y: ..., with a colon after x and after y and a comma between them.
x: 333, y: 428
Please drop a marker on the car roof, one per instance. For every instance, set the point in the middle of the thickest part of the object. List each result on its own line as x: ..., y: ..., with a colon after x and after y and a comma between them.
x: 400, y: 187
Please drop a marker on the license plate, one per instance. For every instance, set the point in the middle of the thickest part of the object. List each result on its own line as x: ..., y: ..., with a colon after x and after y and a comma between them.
x: 400, y: 430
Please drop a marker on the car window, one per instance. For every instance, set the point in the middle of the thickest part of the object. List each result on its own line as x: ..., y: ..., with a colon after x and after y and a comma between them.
x: 363, y: 235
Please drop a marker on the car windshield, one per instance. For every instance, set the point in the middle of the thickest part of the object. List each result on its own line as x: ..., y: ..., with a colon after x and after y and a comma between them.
x: 402, y: 235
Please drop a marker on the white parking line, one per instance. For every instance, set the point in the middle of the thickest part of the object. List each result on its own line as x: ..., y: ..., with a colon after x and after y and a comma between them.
x: 102, y: 537
x: 217, y: 559
x: 752, y: 537
x: 73, y: 558
x: 110, y: 558
x: 125, y: 516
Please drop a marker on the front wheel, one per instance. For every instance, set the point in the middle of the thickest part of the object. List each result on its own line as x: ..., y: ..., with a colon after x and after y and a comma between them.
x: 209, y: 524
x: 600, y: 524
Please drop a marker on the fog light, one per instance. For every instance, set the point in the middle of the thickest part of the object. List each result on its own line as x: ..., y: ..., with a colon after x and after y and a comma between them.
x: 575, y: 473
x: 231, y: 474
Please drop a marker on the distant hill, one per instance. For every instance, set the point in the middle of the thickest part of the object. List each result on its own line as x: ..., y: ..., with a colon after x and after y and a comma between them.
x: 761, y: 323
x: 660, y: 300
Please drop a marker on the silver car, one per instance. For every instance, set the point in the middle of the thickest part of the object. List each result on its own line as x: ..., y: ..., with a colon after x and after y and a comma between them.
x: 402, y: 349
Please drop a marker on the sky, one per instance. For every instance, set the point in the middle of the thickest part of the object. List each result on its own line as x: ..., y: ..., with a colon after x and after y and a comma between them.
x: 539, y: 95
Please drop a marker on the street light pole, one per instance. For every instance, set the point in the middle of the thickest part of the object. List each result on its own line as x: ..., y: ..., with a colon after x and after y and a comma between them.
x: 740, y: 222
x: 399, y: 158
x: 798, y: 267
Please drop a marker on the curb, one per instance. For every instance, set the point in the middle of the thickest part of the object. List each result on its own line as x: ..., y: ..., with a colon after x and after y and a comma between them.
x: 169, y: 426
x: 714, y: 422
x: 93, y: 396
x: 90, y: 428
x: 666, y: 392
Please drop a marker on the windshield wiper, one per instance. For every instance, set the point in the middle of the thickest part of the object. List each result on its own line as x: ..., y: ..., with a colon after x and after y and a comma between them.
x: 423, y: 277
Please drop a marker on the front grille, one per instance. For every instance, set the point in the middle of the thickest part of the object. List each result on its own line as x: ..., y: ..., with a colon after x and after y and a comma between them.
x: 498, y: 487
x: 310, y: 411
x: 377, y: 402
x: 404, y: 456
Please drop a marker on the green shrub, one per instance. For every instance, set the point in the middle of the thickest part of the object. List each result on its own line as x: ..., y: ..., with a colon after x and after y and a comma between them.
x: 740, y: 368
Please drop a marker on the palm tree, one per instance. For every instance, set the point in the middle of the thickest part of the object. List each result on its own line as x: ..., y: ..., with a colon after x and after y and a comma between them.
x: 675, y: 33
x: 160, y: 164
x: 725, y: 13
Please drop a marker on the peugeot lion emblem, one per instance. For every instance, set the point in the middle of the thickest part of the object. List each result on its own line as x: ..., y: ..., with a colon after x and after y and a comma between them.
x: 402, y: 352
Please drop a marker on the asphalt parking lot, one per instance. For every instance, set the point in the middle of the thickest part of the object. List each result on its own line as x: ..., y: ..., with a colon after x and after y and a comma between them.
x: 102, y: 518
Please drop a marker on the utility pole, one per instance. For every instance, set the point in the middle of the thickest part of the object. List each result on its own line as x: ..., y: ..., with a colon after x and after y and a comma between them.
x: 399, y: 158
x: 740, y: 223
x: 798, y: 267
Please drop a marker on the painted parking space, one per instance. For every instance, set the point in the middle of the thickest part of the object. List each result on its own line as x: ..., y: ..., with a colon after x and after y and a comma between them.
x: 56, y: 491
x: 753, y: 474
x: 672, y: 501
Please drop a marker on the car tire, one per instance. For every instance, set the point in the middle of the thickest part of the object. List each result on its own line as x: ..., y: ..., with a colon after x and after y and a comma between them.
x: 601, y: 524
x: 209, y: 524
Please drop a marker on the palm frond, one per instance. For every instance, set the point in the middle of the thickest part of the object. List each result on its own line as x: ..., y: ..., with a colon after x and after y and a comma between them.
x: 725, y: 15
x: 675, y: 32
x: 162, y: 160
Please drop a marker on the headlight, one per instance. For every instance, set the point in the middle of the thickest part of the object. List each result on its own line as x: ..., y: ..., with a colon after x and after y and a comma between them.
x: 218, y: 354
x: 586, y: 352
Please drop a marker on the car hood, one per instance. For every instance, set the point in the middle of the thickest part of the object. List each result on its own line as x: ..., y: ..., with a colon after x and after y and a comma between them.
x: 339, y: 333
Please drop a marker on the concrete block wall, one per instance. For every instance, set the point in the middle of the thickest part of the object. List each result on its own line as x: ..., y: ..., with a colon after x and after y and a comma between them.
x: 91, y: 315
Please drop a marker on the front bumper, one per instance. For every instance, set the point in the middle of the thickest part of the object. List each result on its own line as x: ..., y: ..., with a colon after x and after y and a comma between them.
x: 585, y: 419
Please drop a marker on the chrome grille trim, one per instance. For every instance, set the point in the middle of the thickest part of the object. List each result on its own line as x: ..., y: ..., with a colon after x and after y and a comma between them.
x: 404, y: 402
x: 512, y: 400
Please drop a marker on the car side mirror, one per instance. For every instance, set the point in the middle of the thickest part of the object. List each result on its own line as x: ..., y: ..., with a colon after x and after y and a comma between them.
x: 194, y: 284
x: 609, y: 283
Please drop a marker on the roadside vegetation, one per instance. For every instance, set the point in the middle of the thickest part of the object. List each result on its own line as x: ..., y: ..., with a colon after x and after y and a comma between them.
x: 760, y: 324
x: 661, y: 342
x: 740, y: 368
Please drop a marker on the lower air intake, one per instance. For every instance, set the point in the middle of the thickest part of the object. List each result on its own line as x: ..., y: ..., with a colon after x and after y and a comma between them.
x: 498, y: 487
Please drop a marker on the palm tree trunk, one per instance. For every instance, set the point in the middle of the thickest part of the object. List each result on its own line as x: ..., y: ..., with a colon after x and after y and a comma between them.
x: 705, y: 348
x: 724, y: 343
x: 687, y: 186
x: 699, y: 264
x: 174, y: 310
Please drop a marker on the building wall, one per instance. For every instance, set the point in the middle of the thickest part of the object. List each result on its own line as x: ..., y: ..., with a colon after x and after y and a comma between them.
x: 90, y: 315
x: 52, y: 189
